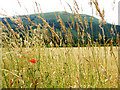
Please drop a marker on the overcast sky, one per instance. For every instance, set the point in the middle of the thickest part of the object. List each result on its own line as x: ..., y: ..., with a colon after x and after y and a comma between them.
x: 11, y: 7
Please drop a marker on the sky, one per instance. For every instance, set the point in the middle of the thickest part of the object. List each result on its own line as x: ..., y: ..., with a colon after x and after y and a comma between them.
x: 12, y: 7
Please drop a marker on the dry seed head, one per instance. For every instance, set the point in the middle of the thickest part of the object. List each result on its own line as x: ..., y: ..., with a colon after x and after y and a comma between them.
x: 86, y: 22
x: 82, y: 30
x: 69, y: 25
x: 112, y: 31
x: 80, y: 20
x: 111, y: 46
x: 29, y: 20
x: 118, y: 36
x: 55, y: 15
x: 75, y: 3
x: 100, y: 37
x: 37, y: 6
x: 72, y: 21
x: 70, y: 7
x: 17, y: 35
x: 67, y: 14
x: 19, y: 3
x: 3, y: 25
x: 98, y: 9
x: 62, y: 25
x: 3, y: 14
x: 117, y: 40
x: 77, y: 28
x: 7, y: 23
x: 103, y: 13
x: 76, y: 16
x: 76, y: 10
x: 48, y: 26
x: 18, y: 21
x: 113, y: 5
x: 107, y: 41
x: 102, y: 32
x: 90, y: 3
x: 115, y: 28
x: 89, y: 37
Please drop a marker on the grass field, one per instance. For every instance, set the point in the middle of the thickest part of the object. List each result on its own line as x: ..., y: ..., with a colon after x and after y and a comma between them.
x: 84, y: 67
x: 28, y: 62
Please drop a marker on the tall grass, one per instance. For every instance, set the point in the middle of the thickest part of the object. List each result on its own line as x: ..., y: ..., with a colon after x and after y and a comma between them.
x: 93, y: 66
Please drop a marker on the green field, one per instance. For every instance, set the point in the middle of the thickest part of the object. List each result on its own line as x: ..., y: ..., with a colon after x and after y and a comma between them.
x: 84, y: 67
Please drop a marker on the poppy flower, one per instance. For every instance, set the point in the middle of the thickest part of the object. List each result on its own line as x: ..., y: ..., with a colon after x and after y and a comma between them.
x: 32, y: 61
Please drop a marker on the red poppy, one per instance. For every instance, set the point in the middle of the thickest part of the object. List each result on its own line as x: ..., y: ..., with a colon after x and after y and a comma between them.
x: 32, y: 61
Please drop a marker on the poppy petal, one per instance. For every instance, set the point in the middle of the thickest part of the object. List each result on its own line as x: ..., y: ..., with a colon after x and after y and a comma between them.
x: 32, y: 61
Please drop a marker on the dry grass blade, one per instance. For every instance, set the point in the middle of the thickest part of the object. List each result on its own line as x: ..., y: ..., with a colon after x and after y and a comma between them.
x: 37, y: 6
x: 19, y: 3
x: 98, y: 9
x: 75, y: 3
x: 3, y: 14
x: 70, y: 7
x: 62, y: 25
x: 13, y: 74
x: 49, y: 26
x: 55, y: 15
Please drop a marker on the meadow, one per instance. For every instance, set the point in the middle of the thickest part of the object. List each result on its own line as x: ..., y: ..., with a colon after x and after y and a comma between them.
x: 83, y: 67
x: 40, y: 60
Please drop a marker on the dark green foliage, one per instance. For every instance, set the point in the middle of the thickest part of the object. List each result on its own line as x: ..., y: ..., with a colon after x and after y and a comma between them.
x: 51, y: 19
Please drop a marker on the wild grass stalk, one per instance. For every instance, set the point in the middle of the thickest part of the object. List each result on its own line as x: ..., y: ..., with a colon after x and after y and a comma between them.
x: 89, y: 66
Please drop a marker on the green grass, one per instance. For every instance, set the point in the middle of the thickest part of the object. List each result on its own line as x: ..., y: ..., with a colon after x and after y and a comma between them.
x: 83, y: 67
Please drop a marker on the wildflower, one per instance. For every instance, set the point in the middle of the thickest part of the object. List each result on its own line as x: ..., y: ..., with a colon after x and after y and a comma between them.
x: 33, y: 61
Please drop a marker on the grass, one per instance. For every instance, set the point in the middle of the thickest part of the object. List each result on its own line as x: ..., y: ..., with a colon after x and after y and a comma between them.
x: 61, y: 67
x: 93, y: 66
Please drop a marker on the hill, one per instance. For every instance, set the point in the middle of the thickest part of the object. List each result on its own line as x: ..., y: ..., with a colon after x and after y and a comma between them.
x: 51, y: 18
